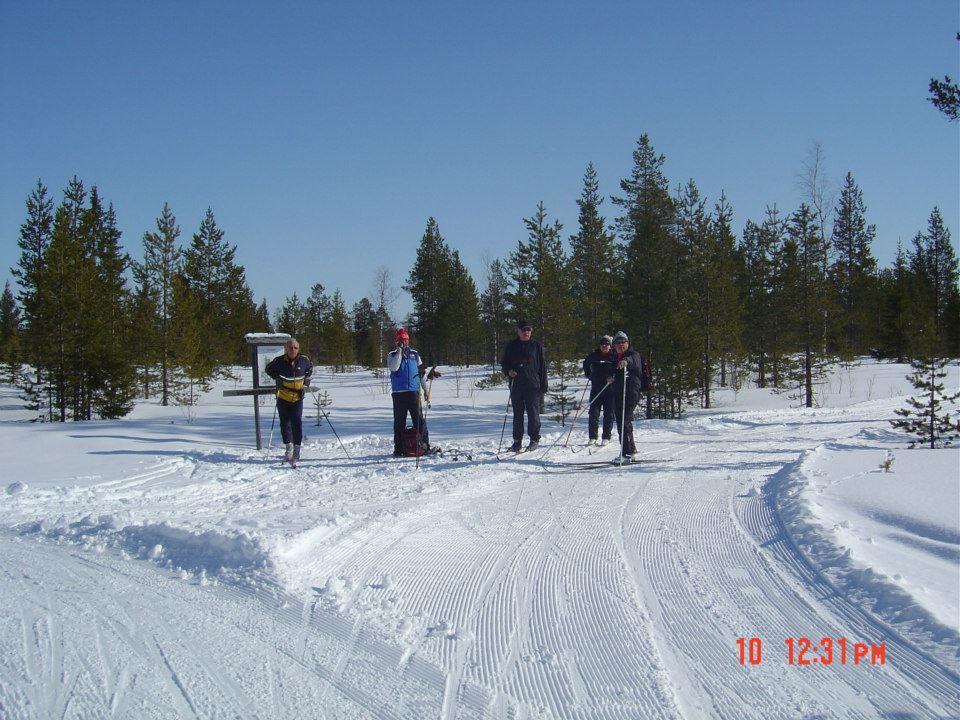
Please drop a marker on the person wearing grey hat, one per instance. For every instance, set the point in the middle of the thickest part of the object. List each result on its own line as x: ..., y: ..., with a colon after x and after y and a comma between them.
x: 598, y: 367
x: 525, y: 364
x: 631, y: 377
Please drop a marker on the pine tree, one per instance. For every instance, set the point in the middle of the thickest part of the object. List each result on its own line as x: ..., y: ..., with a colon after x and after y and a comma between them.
x: 161, y: 264
x: 317, y: 310
x: 111, y: 380
x: 542, y: 284
x: 35, y: 235
x: 291, y: 317
x: 365, y: 333
x: 894, y: 309
x: 212, y: 273
x: 261, y: 321
x: 194, y: 367
x: 644, y: 296
x: 494, y: 311
x: 807, y: 295
x: 853, y: 273
x: 933, y: 264
x: 925, y: 416
x: 338, y: 340
x: 724, y: 269
x: 428, y: 285
x: 9, y: 336
x: 592, y: 261
x: 461, y: 315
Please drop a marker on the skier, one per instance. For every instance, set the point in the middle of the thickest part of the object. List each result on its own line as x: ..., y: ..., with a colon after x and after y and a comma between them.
x: 292, y: 373
x: 631, y: 369
x: 406, y: 372
x: 524, y: 363
x: 598, y: 367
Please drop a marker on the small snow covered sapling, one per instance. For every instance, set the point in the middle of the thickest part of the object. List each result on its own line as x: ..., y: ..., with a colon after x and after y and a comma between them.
x: 321, y: 400
x: 887, y: 462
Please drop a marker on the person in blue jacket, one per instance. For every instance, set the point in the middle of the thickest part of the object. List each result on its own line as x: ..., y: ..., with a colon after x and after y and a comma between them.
x: 406, y: 371
x: 291, y: 371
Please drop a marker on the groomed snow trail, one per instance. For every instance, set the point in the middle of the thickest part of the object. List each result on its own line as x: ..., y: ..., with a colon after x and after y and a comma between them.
x: 462, y: 590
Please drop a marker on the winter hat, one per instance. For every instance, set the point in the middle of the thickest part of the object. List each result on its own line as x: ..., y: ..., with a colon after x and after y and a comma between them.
x: 621, y: 336
x: 524, y: 324
x: 606, y: 339
x: 402, y: 335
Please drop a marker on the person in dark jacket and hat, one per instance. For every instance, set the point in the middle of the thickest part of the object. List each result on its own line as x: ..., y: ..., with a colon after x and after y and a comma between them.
x: 598, y: 367
x: 630, y: 378
x: 524, y: 363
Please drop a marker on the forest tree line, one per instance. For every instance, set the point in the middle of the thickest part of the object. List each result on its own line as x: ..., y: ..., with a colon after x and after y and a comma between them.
x: 89, y: 328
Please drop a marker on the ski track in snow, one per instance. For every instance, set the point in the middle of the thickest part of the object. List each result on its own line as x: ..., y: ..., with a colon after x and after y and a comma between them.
x: 516, y: 589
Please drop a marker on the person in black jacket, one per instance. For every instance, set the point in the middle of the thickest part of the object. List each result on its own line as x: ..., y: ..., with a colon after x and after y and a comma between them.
x: 292, y: 373
x: 630, y: 369
x: 598, y: 367
x: 524, y: 363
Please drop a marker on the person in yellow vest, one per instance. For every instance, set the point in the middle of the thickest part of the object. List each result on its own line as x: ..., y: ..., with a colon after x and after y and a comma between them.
x: 292, y: 373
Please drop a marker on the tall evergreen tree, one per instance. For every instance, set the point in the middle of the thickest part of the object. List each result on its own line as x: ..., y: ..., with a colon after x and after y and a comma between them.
x: 592, y: 260
x: 291, y: 317
x: 933, y: 263
x: 9, y: 336
x: 462, y: 314
x: 317, y: 310
x: 894, y: 309
x: 807, y: 295
x: 339, y: 342
x: 224, y: 300
x: 161, y: 264
x: 494, y: 311
x: 853, y: 272
x: 645, y: 227
x: 428, y: 285
x: 35, y: 235
x: 542, y: 284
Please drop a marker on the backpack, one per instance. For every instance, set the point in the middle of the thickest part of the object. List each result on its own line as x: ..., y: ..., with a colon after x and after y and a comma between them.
x: 412, y: 447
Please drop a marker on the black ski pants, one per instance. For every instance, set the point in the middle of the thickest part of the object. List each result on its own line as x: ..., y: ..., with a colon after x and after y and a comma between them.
x: 291, y: 421
x: 527, y: 401
x: 606, y: 405
x: 626, y: 432
x: 403, y: 403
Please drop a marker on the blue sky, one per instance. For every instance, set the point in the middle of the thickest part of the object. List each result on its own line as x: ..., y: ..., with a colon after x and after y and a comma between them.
x: 323, y: 135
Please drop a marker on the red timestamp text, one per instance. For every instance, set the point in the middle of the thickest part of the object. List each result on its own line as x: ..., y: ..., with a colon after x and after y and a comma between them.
x: 826, y: 651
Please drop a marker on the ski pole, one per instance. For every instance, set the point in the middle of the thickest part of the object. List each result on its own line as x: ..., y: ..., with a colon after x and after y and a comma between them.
x: 623, y: 414
x: 557, y: 441
x: 505, y: 413
x: 579, y: 410
x: 327, y: 418
x: 270, y: 444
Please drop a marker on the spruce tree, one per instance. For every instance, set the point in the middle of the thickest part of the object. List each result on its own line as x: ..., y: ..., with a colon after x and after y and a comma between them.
x: 226, y: 302
x: 161, y: 264
x: 194, y: 367
x: 933, y: 264
x: 853, y: 272
x: 592, y: 262
x: 9, y: 336
x: 644, y: 294
x: 316, y: 319
x: 894, y: 309
x: 807, y: 294
x: 494, y: 311
x: 462, y: 314
x: 35, y: 236
x: 291, y: 317
x: 925, y: 416
x: 429, y: 286
x: 338, y: 340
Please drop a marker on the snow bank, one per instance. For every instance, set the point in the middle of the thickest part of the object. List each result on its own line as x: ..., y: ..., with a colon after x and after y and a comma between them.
x: 887, y: 540
x: 235, y: 555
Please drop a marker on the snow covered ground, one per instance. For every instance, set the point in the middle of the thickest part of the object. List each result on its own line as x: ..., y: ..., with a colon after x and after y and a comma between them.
x: 158, y: 566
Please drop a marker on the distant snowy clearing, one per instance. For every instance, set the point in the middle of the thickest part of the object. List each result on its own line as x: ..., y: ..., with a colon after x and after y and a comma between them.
x: 159, y: 566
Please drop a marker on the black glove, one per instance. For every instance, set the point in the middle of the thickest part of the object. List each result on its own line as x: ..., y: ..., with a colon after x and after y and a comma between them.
x: 399, y: 345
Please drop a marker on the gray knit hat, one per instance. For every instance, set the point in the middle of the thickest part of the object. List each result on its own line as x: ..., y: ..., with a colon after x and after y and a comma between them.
x: 621, y: 336
x: 606, y: 339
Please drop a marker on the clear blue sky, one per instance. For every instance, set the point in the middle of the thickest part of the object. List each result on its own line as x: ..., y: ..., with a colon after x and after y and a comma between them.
x: 324, y: 134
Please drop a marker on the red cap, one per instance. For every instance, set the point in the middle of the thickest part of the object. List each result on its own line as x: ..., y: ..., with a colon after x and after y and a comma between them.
x: 402, y: 335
